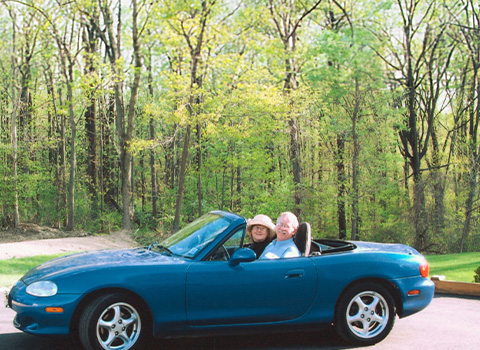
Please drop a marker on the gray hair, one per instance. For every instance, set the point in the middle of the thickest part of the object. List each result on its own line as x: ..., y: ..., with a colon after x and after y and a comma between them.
x: 292, y: 217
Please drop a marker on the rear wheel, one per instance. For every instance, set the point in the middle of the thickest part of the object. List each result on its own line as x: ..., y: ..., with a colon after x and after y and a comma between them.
x: 365, y: 314
x: 112, y: 322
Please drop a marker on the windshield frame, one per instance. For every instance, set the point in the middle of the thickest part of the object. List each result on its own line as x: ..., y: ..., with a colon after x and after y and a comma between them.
x: 195, y: 238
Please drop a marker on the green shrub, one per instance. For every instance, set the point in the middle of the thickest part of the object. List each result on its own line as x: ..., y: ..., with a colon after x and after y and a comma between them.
x: 477, y: 275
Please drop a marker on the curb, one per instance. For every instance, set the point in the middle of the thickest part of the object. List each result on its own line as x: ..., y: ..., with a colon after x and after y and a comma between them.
x: 452, y: 287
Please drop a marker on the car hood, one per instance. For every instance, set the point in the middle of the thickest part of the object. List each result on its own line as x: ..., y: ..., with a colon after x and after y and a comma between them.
x: 95, y: 260
x: 386, y: 247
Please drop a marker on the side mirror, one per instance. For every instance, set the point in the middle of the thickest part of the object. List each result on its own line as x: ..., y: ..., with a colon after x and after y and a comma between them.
x: 242, y: 255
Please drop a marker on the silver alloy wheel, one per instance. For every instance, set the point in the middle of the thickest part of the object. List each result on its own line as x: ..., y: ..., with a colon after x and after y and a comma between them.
x: 118, y: 327
x: 367, y: 314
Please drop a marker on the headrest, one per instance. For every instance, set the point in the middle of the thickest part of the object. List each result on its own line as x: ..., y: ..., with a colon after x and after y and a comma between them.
x: 303, y: 238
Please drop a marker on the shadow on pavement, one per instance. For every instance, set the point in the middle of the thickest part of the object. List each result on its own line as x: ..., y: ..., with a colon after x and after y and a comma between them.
x: 456, y: 296
x: 324, y: 339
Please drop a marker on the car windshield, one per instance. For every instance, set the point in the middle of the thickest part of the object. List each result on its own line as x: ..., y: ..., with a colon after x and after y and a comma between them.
x: 192, y: 238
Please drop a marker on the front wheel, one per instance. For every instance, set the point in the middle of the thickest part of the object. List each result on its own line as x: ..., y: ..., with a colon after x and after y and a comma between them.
x: 365, y: 314
x: 112, y: 322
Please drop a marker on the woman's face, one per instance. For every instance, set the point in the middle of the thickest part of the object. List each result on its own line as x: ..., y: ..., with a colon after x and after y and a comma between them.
x: 259, y: 233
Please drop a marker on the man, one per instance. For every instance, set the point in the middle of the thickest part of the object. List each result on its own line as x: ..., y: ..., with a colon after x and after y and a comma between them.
x: 283, y: 246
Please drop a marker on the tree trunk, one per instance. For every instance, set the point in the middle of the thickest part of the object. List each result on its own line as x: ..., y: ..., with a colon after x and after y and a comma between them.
x: 222, y: 202
x: 471, y: 37
x: 112, y: 42
x: 414, y: 145
x: 16, y: 214
x: 194, y: 99
x: 25, y: 112
x: 153, y: 165
x: 14, y: 135
x: 101, y: 170
x: 62, y: 164
x: 355, y: 165
x: 232, y: 186
x: 415, y: 163
x: 90, y: 44
x: 239, y: 187
x: 296, y: 166
x: 57, y: 156
x: 291, y: 70
x: 109, y: 161
x: 473, y: 184
x: 474, y: 156
x: 170, y: 160
x: 342, y: 221
x: 181, y: 179
x: 73, y: 154
x: 127, y: 155
x: 153, y: 173
x: 283, y: 16
x: 438, y: 219
x: 199, y: 169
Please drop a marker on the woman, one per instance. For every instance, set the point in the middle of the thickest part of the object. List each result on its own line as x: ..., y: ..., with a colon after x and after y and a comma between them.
x: 261, y: 230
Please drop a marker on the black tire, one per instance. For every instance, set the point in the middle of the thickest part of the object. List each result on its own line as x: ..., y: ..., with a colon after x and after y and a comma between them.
x: 113, y: 321
x: 365, y: 314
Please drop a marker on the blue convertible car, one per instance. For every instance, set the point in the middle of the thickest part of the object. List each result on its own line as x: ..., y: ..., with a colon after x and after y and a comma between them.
x: 203, y: 281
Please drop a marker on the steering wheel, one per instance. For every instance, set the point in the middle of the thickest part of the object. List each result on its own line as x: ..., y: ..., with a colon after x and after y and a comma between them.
x: 221, y: 254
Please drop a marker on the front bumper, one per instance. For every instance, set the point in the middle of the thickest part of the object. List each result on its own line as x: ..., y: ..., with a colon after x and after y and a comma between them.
x: 31, y: 315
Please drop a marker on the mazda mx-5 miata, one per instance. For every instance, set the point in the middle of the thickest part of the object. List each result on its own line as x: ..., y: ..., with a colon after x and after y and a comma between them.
x: 204, y: 280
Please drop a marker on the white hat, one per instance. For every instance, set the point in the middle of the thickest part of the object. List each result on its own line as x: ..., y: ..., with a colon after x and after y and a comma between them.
x: 263, y: 220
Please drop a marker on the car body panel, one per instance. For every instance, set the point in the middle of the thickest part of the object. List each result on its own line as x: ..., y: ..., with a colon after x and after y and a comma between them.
x: 412, y: 304
x: 191, y: 290
x: 255, y: 292
x: 31, y: 316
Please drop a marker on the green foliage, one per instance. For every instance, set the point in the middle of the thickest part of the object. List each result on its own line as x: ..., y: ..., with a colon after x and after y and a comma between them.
x: 349, y: 72
x: 13, y: 269
x: 477, y: 275
x: 455, y: 267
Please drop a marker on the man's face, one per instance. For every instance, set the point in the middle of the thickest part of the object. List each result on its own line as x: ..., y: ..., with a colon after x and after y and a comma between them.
x: 284, y: 228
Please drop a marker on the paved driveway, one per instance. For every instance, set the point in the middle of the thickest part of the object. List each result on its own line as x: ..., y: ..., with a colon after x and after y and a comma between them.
x: 448, y: 323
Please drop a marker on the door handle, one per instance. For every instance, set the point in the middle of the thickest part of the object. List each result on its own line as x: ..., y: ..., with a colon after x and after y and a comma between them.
x: 295, y: 274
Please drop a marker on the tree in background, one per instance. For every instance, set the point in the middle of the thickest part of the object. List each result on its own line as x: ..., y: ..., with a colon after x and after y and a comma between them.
x: 284, y: 105
x: 466, y: 20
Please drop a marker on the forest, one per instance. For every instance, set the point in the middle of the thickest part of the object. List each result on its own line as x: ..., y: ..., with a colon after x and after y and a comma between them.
x: 361, y: 117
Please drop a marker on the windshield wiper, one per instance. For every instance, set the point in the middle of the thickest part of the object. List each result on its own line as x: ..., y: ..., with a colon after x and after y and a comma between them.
x: 157, y: 245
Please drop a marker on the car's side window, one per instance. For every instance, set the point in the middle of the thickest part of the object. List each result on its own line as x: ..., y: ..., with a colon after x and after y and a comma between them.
x: 223, y: 252
x: 235, y: 241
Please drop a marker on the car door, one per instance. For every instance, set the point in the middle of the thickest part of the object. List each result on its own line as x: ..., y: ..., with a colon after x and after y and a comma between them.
x: 251, y: 292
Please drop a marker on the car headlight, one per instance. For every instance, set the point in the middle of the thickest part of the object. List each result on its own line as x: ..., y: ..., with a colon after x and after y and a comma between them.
x: 42, y: 289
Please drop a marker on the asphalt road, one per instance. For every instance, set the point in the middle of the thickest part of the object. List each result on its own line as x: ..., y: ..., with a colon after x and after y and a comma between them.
x: 448, y: 323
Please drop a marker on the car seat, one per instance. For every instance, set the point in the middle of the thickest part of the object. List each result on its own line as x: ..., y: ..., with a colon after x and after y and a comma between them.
x: 303, y: 238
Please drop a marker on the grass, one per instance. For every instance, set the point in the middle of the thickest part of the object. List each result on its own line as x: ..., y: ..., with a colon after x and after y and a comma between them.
x: 455, y: 267
x: 12, y: 269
